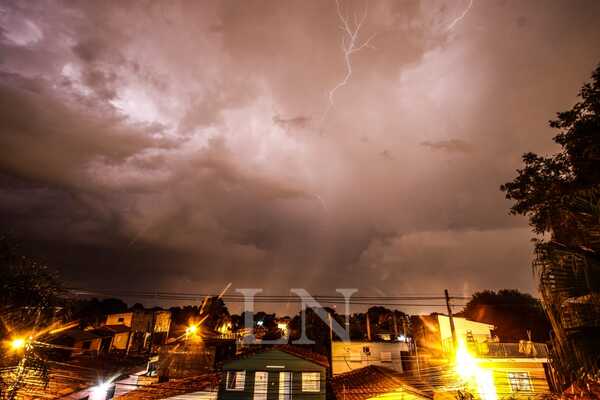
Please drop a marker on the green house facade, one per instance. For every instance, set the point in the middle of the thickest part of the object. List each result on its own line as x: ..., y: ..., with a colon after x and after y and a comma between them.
x: 274, y: 374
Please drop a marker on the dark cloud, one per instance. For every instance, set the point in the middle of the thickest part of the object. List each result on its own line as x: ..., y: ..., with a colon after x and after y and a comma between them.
x: 182, y: 145
x: 450, y: 146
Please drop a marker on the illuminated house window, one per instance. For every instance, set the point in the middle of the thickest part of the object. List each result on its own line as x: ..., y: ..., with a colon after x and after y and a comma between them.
x: 311, y: 381
x: 519, y: 382
x: 235, y: 380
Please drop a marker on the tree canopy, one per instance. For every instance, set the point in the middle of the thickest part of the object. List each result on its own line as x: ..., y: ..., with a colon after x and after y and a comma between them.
x: 511, y: 311
x: 546, y: 184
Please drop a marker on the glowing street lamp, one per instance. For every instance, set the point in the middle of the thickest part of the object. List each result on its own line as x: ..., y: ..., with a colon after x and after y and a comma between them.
x: 191, y: 330
x: 17, y: 344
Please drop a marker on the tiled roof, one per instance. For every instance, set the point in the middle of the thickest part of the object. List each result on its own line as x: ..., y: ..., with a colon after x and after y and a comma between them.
x: 175, y: 387
x: 372, y: 381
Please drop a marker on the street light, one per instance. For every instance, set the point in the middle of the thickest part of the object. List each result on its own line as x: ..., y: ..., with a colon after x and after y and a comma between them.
x: 17, y: 344
x: 191, y: 330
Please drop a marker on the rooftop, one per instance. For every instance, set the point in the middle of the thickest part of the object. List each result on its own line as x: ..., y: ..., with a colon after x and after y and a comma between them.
x: 175, y: 387
x: 373, y: 381
x: 297, y: 351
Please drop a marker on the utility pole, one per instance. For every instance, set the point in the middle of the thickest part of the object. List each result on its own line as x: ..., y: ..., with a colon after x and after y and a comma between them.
x: 330, y: 329
x: 452, y: 329
x: 368, y: 326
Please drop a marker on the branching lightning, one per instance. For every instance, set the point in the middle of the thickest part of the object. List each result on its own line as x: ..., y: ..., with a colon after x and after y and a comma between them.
x: 321, y: 201
x: 350, y: 45
x: 460, y: 17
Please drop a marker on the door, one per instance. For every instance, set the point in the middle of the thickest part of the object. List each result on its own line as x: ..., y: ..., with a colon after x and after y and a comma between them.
x: 261, y: 385
x: 285, y: 385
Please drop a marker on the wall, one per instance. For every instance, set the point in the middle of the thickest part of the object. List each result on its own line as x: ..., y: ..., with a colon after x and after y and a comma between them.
x: 113, y: 319
x: 273, y: 387
x: 350, y: 356
x: 480, y: 331
x: 535, y: 370
x: 273, y: 362
x: 162, y: 321
x: 120, y: 341
x: 94, y: 346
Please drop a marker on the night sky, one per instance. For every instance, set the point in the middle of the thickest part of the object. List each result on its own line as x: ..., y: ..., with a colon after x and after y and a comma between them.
x: 184, y: 145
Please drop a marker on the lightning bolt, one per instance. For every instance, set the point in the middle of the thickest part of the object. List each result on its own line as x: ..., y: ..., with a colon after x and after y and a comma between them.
x: 320, y: 201
x: 350, y: 45
x: 460, y: 17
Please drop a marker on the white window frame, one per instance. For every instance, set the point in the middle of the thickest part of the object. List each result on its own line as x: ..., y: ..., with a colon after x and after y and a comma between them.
x: 240, y: 379
x: 285, y: 393
x: 522, y: 382
x: 311, y: 382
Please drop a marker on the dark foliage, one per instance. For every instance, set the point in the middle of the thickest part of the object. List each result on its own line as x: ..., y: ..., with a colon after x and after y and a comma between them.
x: 560, y: 194
x: 544, y: 185
x: 512, y: 312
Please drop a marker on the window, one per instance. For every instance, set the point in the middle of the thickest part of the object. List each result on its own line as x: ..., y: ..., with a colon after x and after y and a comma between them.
x: 235, y: 380
x: 366, y: 350
x: 121, y: 319
x: 386, y: 356
x: 285, y: 385
x: 311, y: 381
x: 519, y: 382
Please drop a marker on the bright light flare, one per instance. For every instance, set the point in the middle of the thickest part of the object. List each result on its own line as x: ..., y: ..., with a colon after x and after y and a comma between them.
x: 17, y: 344
x: 100, y: 391
x: 471, y: 373
x: 191, y: 330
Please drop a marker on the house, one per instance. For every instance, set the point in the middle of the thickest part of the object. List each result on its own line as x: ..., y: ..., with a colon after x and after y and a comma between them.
x: 115, y: 337
x: 480, y: 361
x: 73, y: 342
x: 375, y: 382
x: 148, y: 328
x: 199, y: 387
x: 182, y: 359
x: 282, y: 372
x: 196, y: 351
x: 348, y: 356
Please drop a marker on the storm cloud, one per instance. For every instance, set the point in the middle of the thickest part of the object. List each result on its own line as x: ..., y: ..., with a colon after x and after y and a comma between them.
x: 182, y: 145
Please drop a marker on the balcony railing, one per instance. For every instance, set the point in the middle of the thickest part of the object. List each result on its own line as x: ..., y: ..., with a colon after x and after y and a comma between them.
x: 523, y: 349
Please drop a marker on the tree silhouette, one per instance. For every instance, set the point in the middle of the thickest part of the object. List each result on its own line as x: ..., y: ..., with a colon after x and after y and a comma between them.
x: 560, y: 194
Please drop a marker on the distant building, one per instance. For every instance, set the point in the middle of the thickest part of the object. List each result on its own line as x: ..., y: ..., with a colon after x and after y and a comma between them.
x: 349, y: 356
x: 281, y: 372
x: 115, y: 337
x: 74, y: 342
x: 147, y: 328
x: 188, y: 357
